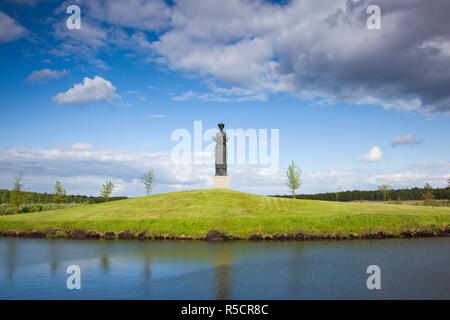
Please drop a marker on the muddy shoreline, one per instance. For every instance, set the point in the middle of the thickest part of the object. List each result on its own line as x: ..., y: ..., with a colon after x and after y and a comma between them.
x: 213, y: 235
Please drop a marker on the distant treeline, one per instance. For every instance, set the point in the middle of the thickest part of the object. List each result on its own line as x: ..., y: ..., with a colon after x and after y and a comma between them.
x: 376, y: 195
x: 36, y: 197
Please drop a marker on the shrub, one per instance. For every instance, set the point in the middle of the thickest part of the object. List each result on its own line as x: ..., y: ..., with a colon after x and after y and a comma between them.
x: 26, y: 208
x: 439, y: 203
x: 427, y: 195
x: 6, y: 208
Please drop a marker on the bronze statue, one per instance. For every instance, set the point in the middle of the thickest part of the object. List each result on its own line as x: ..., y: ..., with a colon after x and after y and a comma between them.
x: 221, y: 151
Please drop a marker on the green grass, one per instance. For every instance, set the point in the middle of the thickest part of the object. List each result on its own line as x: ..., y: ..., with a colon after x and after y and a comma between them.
x: 196, y: 212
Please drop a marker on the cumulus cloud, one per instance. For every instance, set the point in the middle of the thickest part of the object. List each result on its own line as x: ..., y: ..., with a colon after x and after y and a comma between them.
x: 150, y: 15
x: 366, y: 180
x: 84, y: 44
x: 405, y: 139
x: 83, y: 170
x: 10, y: 29
x: 188, y: 95
x: 108, y: 26
x: 317, y: 50
x: 91, y: 33
x: 96, y: 89
x: 373, y: 155
x: 439, y: 43
x: 223, y: 95
x: 39, y: 75
x: 433, y: 165
x: 103, y: 163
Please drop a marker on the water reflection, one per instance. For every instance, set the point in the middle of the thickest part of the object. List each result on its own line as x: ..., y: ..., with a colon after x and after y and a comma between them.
x: 35, y: 268
x: 12, y: 248
x: 104, y: 263
x: 222, y: 272
x: 147, y: 272
x: 295, y: 270
x: 54, y: 250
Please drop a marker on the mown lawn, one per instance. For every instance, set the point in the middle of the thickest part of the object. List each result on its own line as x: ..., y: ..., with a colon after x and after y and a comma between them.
x: 196, y: 212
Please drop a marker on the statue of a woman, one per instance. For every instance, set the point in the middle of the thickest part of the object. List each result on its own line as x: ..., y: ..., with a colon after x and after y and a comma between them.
x: 221, y: 151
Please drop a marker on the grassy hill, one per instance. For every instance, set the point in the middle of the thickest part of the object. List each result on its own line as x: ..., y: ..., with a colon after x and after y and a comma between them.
x: 196, y: 212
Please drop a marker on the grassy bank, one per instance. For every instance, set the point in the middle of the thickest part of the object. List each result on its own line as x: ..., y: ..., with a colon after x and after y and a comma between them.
x: 196, y: 212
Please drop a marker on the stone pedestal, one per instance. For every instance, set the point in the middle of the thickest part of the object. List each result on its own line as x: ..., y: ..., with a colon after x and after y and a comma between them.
x: 221, y: 182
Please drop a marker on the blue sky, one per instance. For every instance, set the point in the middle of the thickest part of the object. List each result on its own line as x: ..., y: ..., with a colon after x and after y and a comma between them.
x: 153, y: 67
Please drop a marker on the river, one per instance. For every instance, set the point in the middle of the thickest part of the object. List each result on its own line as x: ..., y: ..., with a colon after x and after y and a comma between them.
x: 410, y: 269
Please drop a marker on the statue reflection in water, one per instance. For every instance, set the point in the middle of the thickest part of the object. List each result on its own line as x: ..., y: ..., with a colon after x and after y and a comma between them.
x: 222, y: 271
x: 11, y: 257
x: 55, y: 251
x: 104, y: 262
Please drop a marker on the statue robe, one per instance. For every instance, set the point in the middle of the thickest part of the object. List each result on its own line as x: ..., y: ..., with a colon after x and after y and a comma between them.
x: 221, y: 153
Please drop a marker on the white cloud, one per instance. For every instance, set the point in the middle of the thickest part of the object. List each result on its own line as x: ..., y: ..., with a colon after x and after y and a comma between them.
x: 150, y: 15
x: 439, y: 43
x: 328, y: 181
x: 96, y: 89
x: 374, y: 154
x: 108, y: 26
x: 314, y: 50
x: 308, y: 48
x: 38, y: 75
x: 223, y: 95
x: 79, y: 184
x: 405, y: 139
x: 10, y: 29
x: 91, y: 33
x: 86, y: 43
x: 83, y: 172
x: 103, y: 163
x: 188, y: 95
x: 397, y: 104
x: 434, y: 165
x: 81, y: 146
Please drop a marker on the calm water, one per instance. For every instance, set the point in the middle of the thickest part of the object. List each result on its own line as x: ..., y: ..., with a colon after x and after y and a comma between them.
x: 410, y: 269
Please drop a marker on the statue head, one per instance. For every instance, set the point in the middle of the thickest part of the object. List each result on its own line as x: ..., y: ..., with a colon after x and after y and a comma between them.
x: 221, y: 126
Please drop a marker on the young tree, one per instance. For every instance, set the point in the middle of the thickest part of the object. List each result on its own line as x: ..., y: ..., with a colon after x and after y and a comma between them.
x: 448, y: 189
x: 427, y: 194
x: 5, y: 196
x: 338, y: 191
x: 16, y: 193
x: 107, y: 189
x: 147, y: 180
x: 384, y: 188
x: 294, y: 178
x: 60, y: 194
